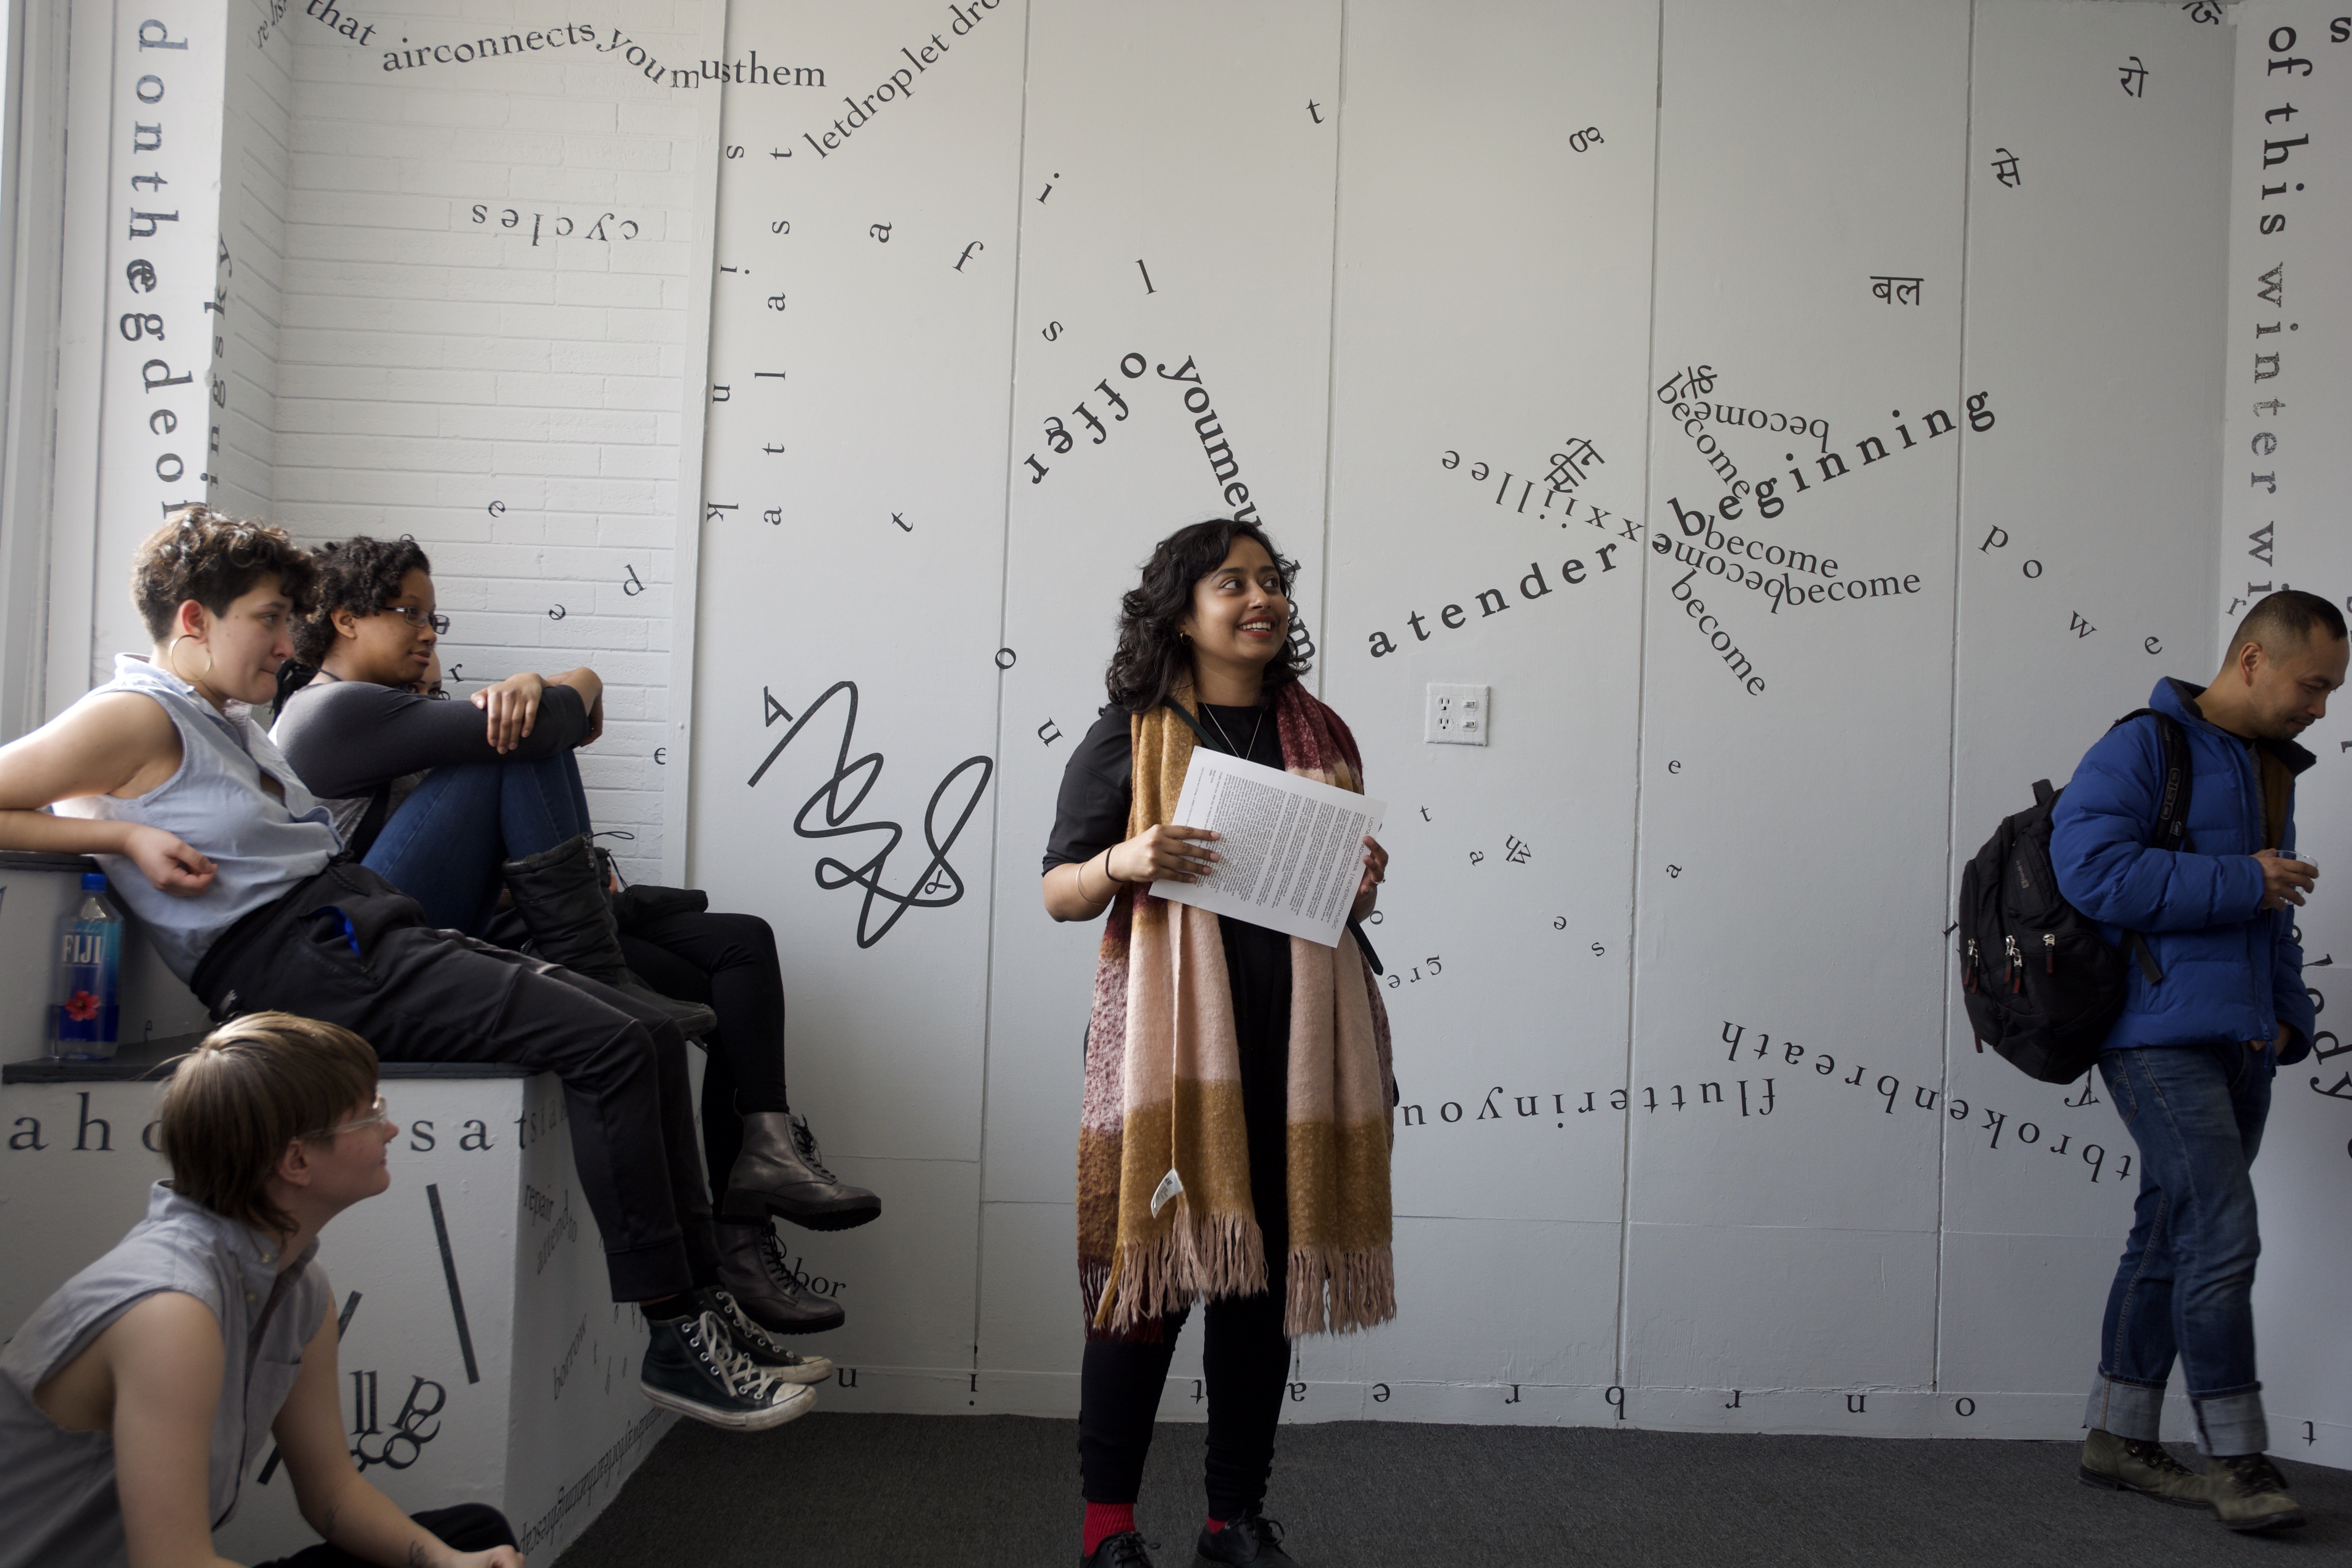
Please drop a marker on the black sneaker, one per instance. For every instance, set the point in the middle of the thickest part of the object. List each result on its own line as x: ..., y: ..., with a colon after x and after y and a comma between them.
x: 1251, y: 1539
x: 2249, y: 1493
x: 1125, y: 1550
x: 692, y: 1366
x: 766, y: 1351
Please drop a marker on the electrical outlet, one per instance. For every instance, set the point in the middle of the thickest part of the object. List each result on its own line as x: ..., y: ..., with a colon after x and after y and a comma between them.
x: 1455, y: 715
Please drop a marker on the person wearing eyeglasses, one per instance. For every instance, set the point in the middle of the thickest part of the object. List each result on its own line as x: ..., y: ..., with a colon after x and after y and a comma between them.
x: 451, y: 803
x: 136, y: 1400
x: 476, y: 785
x: 242, y: 885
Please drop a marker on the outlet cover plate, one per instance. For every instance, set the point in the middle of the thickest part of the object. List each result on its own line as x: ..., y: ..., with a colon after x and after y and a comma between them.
x: 1455, y: 715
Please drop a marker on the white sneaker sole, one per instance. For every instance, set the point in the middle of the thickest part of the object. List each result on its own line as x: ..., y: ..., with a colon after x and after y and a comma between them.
x: 791, y: 1407
x: 813, y: 1369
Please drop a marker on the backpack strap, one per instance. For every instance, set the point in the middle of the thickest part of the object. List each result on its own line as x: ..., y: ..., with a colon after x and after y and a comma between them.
x: 2171, y: 810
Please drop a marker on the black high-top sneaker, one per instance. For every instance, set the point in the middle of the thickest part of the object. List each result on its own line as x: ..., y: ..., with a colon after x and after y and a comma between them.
x: 1251, y: 1539
x: 753, y: 1269
x: 779, y: 1172
x: 766, y: 1351
x: 692, y: 1366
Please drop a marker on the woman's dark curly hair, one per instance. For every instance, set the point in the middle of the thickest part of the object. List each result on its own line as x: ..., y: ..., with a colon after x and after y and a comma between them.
x: 215, y: 560
x: 1150, y: 657
x: 358, y: 574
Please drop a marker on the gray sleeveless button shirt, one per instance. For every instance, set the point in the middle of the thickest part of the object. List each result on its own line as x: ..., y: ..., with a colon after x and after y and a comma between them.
x: 214, y: 803
x: 58, y: 1504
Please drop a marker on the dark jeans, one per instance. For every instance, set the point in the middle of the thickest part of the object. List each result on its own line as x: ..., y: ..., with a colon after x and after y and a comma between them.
x: 348, y: 948
x: 468, y: 1527
x: 2185, y: 1284
x: 445, y: 845
x: 728, y: 963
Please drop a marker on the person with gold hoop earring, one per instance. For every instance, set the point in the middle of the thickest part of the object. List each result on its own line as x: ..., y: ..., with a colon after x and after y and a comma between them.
x: 242, y: 883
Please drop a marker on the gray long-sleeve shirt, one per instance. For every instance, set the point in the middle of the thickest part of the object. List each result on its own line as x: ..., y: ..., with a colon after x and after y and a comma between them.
x: 343, y: 738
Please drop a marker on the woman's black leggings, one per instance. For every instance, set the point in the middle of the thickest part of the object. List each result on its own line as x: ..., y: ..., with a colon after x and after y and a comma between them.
x: 1247, y: 1360
x: 728, y: 963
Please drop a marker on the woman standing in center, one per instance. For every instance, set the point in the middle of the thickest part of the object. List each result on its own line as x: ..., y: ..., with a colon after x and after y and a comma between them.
x: 1235, y: 1142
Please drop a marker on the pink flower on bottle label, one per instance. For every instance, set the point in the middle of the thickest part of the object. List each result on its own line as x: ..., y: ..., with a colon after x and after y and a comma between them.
x: 82, y: 1006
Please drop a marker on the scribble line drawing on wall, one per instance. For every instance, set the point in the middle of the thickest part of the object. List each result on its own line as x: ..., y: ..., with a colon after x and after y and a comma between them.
x: 938, y: 884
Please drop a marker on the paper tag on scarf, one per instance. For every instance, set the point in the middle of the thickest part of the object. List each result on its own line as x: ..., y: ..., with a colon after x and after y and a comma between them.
x: 1170, y: 1186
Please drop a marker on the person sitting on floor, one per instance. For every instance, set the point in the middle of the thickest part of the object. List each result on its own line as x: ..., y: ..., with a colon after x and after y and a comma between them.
x: 449, y: 802
x: 240, y: 880
x: 134, y: 1401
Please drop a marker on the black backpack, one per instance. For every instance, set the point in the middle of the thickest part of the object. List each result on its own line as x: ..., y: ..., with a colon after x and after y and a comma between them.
x: 2040, y: 984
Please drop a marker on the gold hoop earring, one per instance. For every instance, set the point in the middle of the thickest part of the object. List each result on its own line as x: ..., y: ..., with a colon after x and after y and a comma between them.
x: 171, y: 659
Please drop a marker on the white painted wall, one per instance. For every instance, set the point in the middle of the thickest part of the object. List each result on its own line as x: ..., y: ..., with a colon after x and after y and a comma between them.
x: 2300, y: 232
x: 1403, y: 274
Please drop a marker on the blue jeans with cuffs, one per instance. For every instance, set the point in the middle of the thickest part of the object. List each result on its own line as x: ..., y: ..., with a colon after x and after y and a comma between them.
x: 2185, y: 1285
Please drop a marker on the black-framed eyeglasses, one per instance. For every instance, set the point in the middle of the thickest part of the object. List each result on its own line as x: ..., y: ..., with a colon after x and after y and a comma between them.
x: 416, y: 618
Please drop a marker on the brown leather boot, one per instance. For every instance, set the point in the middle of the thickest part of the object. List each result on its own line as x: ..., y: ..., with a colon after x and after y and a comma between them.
x: 753, y: 1269
x: 2124, y: 1464
x: 778, y: 1172
x: 2249, y: 1493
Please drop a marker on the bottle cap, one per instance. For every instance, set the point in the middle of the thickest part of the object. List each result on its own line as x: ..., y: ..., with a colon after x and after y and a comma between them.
x: 93, y: 881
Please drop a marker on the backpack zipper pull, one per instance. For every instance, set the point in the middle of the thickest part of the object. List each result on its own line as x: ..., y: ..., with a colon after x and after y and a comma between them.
x: 1969, y: 972
x: 2016, y: 967
x: 2048, y: 953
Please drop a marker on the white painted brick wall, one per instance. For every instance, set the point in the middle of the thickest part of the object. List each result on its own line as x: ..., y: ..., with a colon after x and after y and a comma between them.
x: 257, y: 123
x: 430, y: 365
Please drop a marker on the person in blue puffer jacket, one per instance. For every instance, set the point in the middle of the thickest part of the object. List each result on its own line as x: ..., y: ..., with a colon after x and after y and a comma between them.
x: 2189, y: 1062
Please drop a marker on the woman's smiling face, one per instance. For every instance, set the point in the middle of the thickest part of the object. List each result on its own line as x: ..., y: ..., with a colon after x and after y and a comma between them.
x: 1240, y: 614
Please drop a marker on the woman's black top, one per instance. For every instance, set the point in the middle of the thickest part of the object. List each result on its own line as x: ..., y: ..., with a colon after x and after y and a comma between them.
x: 1097, y: 789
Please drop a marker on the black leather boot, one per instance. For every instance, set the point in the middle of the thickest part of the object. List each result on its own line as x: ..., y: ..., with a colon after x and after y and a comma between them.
x: 753, y: 1269
x: 561, y: 897
x: 778, y: 1172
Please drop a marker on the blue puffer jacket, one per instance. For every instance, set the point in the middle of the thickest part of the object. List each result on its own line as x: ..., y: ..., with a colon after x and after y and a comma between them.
x: 2232, y: 970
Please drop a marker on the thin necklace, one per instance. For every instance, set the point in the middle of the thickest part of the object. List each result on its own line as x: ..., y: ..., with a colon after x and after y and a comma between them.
x: 1228, y: 739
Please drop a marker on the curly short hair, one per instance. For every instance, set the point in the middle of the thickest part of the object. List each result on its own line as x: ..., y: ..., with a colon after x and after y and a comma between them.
x: 199, y: 554
x: 250, y: 1088
x: 1149, y: 658
x: 358, y: 574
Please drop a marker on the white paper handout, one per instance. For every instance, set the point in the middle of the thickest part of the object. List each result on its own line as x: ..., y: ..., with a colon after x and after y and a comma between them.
x: 1292, y: 850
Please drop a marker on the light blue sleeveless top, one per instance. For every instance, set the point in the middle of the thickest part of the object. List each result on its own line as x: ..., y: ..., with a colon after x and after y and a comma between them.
x: 216, y: 805
x: 58, y: 1502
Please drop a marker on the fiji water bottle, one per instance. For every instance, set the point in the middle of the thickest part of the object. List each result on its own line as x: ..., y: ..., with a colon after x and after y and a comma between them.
x: 90, y: 968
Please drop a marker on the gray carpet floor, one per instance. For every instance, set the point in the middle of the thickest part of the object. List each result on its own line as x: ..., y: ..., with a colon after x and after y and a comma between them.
x: 846, y: 1490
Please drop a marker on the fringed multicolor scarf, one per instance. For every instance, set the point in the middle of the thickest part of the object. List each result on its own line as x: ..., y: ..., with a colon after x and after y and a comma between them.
x: 1163, y: 1092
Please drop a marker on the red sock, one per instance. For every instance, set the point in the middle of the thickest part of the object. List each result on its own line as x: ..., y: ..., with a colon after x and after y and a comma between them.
x: 1216, y: 1524
x: 1104, y: 1519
